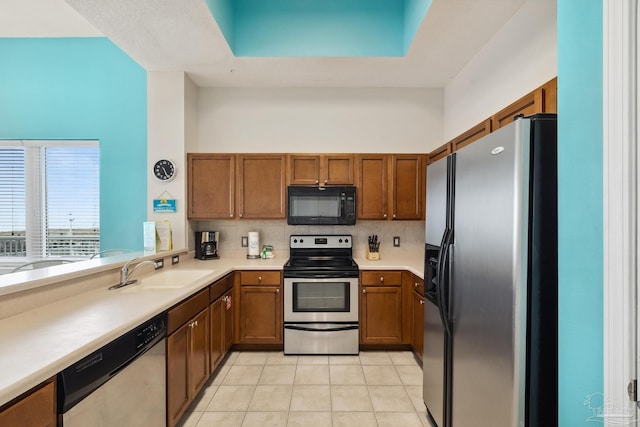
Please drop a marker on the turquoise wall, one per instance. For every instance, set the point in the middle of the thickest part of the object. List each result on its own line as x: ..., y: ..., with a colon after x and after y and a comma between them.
x: 414, y: 13
x: 84, y: 88
x: 580, y: 207
x: 322, y: 28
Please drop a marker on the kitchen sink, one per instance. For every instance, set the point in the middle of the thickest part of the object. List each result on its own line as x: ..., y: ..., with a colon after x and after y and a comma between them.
x: 167, y: 280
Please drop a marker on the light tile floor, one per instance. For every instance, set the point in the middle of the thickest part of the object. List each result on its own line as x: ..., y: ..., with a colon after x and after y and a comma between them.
x: 377, y: 388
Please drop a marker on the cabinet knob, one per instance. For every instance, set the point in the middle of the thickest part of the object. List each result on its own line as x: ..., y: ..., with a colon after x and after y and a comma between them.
x: 381, y: 279
x: 415, y: 285
x: 231, y: 215
x: 421, y: 301
x: 364, y: 291
x: 240, y: 215
x: 384, y: 216
x: 394, y: 216
x: 259, y: 278
x: 326, y: 181
x: 317, y: 181
x: 195, y: 323
x: 277, y: 290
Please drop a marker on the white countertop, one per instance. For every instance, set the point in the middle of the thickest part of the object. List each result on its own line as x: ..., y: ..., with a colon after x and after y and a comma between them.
x: 39, y: 343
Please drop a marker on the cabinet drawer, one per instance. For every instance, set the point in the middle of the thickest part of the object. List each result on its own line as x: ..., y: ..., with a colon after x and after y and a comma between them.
x: 184, y: 311
x: 260, y: 278
x: 392, y: 278
x: 218, y: 288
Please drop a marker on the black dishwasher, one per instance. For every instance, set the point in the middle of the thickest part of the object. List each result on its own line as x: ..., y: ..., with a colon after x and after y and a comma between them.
x: 122, y: 384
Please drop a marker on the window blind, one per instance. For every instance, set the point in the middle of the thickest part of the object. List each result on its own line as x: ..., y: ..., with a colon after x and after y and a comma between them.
x: 12, y: 201
x: 58, y: 210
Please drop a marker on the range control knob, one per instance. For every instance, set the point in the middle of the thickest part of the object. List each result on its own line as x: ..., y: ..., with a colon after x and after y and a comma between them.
x: 346, y: 240
x: 340, y: 241
x: 301, y: 240
x: 295, y: 240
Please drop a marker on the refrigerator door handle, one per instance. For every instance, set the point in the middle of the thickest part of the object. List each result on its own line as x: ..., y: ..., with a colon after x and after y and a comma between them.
x: 442, y: 279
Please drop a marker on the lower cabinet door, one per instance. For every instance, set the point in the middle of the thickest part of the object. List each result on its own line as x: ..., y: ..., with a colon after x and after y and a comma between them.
x: 381, y: 315
x: 227, y: 309
x: 199, y: 352
x: 418, y: 323
x: 216, y: 313
x: 187, y: 364
x: 177, y: 373
x: 37, y: 409
x: 260, y: 315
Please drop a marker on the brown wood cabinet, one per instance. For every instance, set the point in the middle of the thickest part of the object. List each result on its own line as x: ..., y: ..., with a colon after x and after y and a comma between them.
x: 439, y: 153
x: 221, y: 316
x: 35, y: 408
x: 211, y: 186
x: 187, y: 353
x: 260, y: 308
x: 473, y: 134
x: 417, y: 314
x: 544, y: 99
x: 320, y: 169
x: 261, y: 186
x: 381, y: 307
x: 550, y: 90
x: 372, y: 183
x: 527, y: 105
x: 399, y: 198
x: 407, y: 186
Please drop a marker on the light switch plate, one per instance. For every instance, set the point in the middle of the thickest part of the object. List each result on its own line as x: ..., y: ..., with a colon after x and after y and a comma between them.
x: 175, y: 259
x: 158, y: 263
x: 396, y: 241
x: 245, y: 241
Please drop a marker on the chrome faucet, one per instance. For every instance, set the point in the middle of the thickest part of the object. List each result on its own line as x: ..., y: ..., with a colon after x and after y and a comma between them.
x: 125, y: 273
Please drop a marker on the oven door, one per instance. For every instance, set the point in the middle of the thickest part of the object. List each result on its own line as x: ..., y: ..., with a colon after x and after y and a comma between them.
x: 321, y: 300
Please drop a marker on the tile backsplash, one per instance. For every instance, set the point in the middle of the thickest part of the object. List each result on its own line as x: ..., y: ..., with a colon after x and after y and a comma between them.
x: 277, y: 232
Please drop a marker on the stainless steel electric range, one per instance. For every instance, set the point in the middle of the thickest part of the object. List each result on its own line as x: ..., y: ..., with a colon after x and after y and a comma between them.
x: 321, y: 296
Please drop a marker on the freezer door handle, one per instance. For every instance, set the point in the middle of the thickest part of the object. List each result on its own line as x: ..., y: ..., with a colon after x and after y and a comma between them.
x: 443, y: 281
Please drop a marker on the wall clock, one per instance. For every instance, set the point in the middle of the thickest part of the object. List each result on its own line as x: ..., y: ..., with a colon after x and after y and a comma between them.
x: 164, y: 170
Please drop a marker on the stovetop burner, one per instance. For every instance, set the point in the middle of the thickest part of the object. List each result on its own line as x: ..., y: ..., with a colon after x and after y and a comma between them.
x: 320, y: 256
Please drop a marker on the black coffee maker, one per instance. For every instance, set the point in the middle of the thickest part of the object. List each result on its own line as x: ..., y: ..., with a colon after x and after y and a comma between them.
x: 207, y: 244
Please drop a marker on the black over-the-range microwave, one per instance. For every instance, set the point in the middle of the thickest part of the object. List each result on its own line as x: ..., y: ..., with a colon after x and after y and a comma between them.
x: 314, y: 205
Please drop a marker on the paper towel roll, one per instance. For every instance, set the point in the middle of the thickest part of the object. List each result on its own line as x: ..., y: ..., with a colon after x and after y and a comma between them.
x: 254, y: 245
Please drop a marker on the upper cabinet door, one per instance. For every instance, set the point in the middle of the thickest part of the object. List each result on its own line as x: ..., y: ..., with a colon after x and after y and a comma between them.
x: 211, y: 186
x: 304, y: 169
x: 473, y: 134
x: 337, y: 169
x: 407, y: 187
x: 371, y: 172
x: 527, y: 105
x: 261, y: 186
x: 321, y: 169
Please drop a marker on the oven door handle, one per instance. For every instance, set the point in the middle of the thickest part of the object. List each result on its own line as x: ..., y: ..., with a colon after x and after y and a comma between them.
x: 336, y: 328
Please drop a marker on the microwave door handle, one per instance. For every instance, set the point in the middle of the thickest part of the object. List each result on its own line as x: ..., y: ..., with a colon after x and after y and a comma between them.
x: 322, y: 188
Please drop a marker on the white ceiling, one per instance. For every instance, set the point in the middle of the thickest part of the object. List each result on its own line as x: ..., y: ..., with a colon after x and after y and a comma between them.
x: 182, y: 35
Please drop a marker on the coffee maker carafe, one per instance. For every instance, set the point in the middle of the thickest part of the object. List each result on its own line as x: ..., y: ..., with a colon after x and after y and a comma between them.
x: 207, y: 244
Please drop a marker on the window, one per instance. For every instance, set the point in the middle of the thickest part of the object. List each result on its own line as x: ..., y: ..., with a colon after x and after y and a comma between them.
x: 49, y: 199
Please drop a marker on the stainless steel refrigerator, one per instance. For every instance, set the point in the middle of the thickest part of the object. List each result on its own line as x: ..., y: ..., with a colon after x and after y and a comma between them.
x: 490, y: 312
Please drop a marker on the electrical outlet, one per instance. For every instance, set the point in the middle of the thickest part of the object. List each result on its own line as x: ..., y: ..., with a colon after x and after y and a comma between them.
x: 158, y: 263
x: 245, y: 241
x: 175, y: 259
x: 396, y: 241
